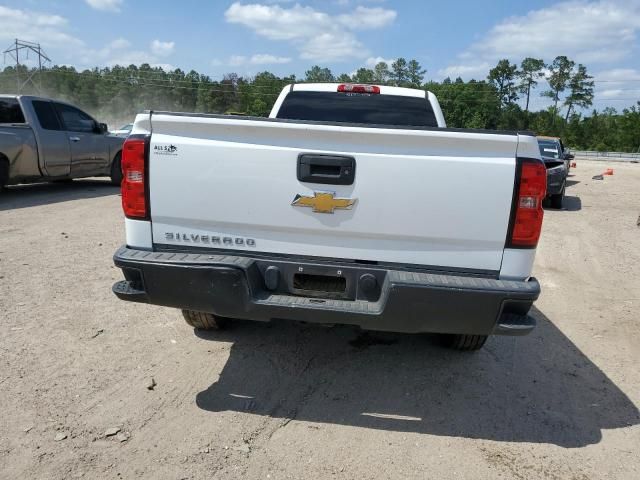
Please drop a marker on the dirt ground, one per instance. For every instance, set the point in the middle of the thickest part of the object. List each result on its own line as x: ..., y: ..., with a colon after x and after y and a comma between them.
x: 297, y: 401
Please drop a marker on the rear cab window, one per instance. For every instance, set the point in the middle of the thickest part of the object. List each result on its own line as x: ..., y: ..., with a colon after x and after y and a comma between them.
x: 376, y: 109
x: 549, y: 149
x: 46, y: 114
x: 10, y: 111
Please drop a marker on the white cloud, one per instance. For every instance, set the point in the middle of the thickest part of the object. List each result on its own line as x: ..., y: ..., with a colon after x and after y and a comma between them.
x: 120, y: 52
x: 332, y: 46
x: 346, y: 3
x: 35, y: 26
x: 618, y: 87
x: 105, y: 5
x: 277, y: 23
x: 237, y: 60
x: 612, y: 93
x: 364, y: 18
x: 373, y: 61
x: 317, y: 35
x: 266, y: 59
x: 119, y: 43
x: 589, y: 32
x: 258, y: 59
x: 65, y: 49
x: 618, y: 75
x: 162, y: 49
x: 477, y: 71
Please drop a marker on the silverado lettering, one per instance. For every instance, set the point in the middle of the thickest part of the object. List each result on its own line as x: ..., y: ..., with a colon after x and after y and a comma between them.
x: 209, y: 239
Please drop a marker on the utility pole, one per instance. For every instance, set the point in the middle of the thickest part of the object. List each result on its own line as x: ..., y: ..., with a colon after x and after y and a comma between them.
x: 14, y: 52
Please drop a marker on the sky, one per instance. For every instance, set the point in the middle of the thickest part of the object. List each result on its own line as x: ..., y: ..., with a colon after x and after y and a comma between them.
x: 456, y: 38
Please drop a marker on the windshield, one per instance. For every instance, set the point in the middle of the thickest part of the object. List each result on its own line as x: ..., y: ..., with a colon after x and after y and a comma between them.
x: 549, y: 148
x: 358, y: 108
x: 128, y: 126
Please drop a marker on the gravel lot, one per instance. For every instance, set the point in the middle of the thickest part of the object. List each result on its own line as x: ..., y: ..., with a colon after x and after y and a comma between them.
x: 297, y: 401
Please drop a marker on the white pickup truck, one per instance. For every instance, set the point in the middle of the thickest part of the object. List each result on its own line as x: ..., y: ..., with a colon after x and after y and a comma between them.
x: 351, y: 204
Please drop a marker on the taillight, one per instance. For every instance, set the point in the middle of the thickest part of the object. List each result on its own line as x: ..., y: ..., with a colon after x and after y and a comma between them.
x: 527, y: 213
x: 351, y: 88
x: 134, y: 177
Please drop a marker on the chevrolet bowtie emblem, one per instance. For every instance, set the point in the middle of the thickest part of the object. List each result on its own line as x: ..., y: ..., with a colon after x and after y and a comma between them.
x: 323, y: 202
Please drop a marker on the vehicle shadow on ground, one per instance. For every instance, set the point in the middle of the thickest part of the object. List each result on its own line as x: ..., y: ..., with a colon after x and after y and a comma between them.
x: 569, y: 204
x: 33, y: 195
x: 539, y: 389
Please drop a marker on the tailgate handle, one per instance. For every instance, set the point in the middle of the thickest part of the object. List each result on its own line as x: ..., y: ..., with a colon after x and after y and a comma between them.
x: 327, y: 169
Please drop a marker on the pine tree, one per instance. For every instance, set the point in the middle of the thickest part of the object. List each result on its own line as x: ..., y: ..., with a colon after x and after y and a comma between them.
x: 561, y: 69
x: 531, y: 70
x: 580, y: 90
x: 502, y: 77
x: 415, y: 72
x: 399, y: 72
x: 319, y: 75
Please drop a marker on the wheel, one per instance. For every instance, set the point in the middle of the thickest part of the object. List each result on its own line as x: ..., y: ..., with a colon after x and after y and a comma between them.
x: 4, y: 172
x: 116, y: 170
x: 467, y: 342
x: 556, y: 200
x: 204, y: 321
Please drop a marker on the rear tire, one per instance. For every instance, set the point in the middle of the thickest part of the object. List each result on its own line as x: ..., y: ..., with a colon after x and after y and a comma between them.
x: 204, y: 321
x: 556, y: 200
x: 467, y: 343
x: 116, y: 169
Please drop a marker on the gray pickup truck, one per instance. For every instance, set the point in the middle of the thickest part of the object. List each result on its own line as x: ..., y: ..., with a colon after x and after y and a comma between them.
x: 48, y: 140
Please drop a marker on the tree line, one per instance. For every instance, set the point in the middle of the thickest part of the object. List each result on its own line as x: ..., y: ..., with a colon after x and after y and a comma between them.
x: 116, y: 94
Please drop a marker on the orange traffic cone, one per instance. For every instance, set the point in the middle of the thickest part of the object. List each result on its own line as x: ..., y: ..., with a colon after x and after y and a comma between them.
x: 609, y: 171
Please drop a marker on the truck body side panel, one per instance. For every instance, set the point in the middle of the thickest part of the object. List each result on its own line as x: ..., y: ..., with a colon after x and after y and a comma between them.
x: 18, y: 145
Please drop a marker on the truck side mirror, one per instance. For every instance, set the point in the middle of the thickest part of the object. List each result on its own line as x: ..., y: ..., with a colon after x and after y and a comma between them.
x: 101, y: 128
x: 569, y: 156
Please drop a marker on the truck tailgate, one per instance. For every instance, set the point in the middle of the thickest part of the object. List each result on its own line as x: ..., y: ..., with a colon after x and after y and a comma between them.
x: 438, y: 198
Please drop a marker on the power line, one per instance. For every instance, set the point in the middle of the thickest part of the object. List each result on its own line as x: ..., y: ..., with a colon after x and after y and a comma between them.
x: 14, y: 51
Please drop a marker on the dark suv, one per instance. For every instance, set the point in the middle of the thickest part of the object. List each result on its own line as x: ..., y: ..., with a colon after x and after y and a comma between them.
x: 557, y: 161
